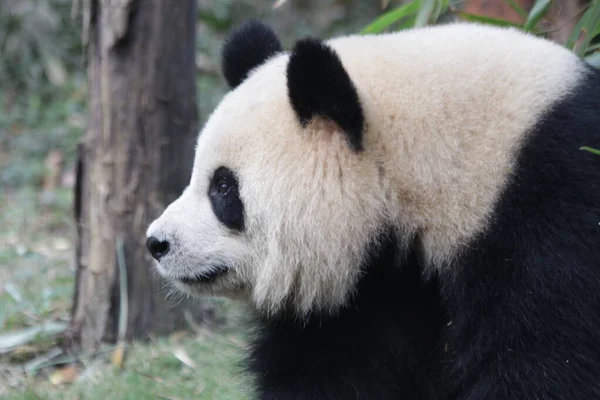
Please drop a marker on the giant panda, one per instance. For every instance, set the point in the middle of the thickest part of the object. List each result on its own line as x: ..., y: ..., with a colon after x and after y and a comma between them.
x: 408, y: 214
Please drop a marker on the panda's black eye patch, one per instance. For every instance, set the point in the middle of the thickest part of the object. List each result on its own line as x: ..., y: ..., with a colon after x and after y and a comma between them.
x: 225, y: 199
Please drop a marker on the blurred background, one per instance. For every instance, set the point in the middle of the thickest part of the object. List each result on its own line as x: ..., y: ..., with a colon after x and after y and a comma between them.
x: 100, y: 104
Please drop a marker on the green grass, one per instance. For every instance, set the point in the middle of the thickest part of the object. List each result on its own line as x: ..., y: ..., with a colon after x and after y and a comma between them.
x: 35, y: 260
x: 152, y: 370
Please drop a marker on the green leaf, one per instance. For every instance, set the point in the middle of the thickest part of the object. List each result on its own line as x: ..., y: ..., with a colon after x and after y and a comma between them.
x: 593, y: 59
x: 518, y: 9
x: 539, y: 9
x: 590, y: 27
x: 577, y: 30
x: 391, y: 17
x: 593, y: 151
x: 425, y: 11
x: 441, y: 8
x: 593, y: 47
x: 486, y: 20
x: 408, y: 23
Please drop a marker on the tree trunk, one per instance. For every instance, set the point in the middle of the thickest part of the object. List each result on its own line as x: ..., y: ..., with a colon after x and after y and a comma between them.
x: 135, y: 158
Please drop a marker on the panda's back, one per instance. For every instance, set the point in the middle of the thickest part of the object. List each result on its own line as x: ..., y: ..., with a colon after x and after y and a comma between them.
x: 532, y: 279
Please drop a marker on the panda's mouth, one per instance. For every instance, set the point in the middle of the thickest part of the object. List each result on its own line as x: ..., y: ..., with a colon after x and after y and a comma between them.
x: 204, y: 277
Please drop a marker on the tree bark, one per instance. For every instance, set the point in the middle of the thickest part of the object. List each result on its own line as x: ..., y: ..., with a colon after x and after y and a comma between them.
x: 135, y: 158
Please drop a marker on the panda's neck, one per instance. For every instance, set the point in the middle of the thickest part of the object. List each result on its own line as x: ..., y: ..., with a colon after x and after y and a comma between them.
x: 381, y: 345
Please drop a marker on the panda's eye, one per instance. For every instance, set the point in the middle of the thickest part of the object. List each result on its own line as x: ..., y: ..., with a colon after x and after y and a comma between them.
x: 223, y: 188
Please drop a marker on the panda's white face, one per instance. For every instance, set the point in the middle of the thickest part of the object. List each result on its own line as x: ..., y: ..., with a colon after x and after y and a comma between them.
x: 311, y: 205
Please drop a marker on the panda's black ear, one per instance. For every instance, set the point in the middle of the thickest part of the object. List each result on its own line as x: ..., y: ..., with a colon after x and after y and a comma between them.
x: 318, y: 85
x: 246, y: 48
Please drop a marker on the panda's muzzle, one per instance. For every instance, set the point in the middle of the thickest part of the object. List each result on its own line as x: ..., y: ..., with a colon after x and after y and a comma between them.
x: 204, y: 277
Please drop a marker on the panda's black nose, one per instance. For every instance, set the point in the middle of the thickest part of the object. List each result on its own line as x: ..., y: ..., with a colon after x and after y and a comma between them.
x: 157, y: 248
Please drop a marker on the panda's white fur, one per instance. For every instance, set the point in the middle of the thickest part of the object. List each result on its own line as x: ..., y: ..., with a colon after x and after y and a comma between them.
x: 446, y: 109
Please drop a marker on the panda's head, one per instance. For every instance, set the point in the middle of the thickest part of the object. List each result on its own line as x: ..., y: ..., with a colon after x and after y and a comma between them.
x: 283, y: 201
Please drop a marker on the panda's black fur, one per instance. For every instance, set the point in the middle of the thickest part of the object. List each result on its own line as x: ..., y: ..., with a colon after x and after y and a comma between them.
x: 318, y: 85
x: 382, y: 345
x: 528, y: 327
x: 247, y: 47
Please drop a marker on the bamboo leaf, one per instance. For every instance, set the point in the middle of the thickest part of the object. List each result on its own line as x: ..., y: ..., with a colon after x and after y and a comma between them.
x: 539, y: 9
x: 593, y: 60
x: 576, y: 32
x: 518, y: 9
x: 441, y: 8
x: 486, y: 20
x: 425, y: 11
x: 590, y: 27
x: 9, y: 341
x: 391, y: 17
x: 591, y: 150
x: 408, y: 23
x: 37, y: 362
x: 593, y: 47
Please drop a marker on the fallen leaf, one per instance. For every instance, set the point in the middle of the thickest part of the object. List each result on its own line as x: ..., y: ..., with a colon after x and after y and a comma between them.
x: 53, y: 164
x: 13, y: 292
x: 199, y: 389
x: 236, y: 341
x: 61, y: 244
x: 151, y: 377
x: 64, y: 375
x: 25, y: 350
x: 177, y: 335
x: 118, y: 356
x: 55, y: 70
x: 39, y: 361
x: 21, y: 249
x: 182, y: 356
x: 10, y: 341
